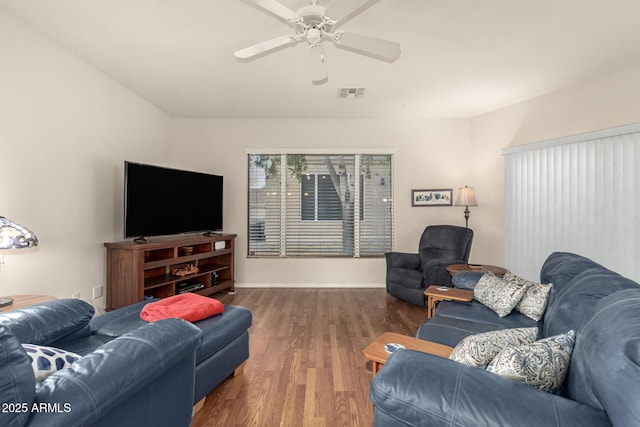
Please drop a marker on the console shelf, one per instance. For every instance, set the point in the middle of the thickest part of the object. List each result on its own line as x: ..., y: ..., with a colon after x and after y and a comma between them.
x: 139, y: 270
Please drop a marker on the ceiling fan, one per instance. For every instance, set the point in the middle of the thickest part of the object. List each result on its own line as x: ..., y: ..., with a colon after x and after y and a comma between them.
x: 316, y: 24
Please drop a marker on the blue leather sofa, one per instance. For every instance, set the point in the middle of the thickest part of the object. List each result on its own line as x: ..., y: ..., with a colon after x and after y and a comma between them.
x: 132, y: 373
x: 602, y: 387
x: 143, y: 378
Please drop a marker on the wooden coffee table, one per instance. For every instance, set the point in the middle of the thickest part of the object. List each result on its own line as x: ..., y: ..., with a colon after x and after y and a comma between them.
x: 435, y: 294
x: 378, y: 355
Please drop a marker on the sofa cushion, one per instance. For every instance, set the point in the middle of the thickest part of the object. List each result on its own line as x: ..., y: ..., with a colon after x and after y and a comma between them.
x: 50, y: 321
x: 85, y: 345
x: 445, y: 242
x: 543, y: 364
x: 46, y: 360
x: 498, y: 294
x: 479, y: 350
x: 534, y: 300
x: 561, y: 267
x: 17, y: 382
x: 572, y: 306
x: 477, y: 312
x: 605, y: 368
x: 450, y: 331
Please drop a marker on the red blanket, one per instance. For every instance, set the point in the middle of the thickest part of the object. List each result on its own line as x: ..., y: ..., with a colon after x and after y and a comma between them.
x: 188, y: 306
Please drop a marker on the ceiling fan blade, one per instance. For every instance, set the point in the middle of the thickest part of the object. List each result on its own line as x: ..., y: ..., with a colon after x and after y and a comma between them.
x: 369, y: 46
x: 343, y: 10
x: 318, y: 65
x: 275, y: 8
x: 263, y: 48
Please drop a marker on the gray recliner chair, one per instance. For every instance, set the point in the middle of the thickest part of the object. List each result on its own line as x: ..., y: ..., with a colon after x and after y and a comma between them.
x: 409, y: 274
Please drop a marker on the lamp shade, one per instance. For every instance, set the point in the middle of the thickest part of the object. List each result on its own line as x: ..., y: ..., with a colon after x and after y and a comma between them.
x: 15, y: 236
x: 466, y: 197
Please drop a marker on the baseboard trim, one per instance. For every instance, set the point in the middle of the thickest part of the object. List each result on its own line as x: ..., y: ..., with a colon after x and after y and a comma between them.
x: 313, y: 285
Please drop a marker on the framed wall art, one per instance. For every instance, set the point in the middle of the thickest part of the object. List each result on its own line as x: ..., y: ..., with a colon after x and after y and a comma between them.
x: 431, y: 197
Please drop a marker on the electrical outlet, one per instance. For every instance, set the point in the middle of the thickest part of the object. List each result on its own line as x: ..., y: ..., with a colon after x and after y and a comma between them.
x: 97, y: 292
x: 75, y: 295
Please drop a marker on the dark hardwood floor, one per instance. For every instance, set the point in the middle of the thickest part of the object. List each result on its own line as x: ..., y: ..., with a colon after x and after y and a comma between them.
x: 306, y: 366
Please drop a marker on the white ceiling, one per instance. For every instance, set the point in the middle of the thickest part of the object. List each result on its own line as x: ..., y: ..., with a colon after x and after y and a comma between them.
x: 460, y: 58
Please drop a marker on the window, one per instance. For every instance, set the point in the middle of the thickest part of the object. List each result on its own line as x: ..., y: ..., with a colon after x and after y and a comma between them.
x: 319, y: 199
x: 310, y: 205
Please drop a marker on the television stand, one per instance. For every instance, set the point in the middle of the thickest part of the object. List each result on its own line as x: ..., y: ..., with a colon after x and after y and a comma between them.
x: 136, y: 271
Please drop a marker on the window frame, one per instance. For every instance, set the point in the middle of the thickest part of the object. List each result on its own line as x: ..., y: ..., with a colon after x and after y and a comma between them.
x: 374, y: 245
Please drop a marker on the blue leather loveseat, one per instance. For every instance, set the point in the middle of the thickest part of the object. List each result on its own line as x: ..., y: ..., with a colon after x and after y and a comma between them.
x: 602, y: 387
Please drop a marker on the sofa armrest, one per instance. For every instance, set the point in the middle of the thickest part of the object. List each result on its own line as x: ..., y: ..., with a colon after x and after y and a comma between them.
x: 119, y: 380
x: 402, y: 260
x: 424, y: 390
x: 50, y: 322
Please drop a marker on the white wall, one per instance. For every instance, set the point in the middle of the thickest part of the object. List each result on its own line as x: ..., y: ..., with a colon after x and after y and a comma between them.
x: 609, y: 101
x: 427, y: 155
x: 65, y: 130
x: 605, y: 102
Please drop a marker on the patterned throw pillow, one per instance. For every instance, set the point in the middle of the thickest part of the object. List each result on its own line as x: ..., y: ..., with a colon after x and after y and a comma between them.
x: 480, y: 349
x: 47, y: 360
x: 543, y: 364
x: 534, y: 300
x: 498, y: 294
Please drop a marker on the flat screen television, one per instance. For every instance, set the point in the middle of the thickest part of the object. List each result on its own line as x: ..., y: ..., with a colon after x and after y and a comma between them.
x: 162, y: 201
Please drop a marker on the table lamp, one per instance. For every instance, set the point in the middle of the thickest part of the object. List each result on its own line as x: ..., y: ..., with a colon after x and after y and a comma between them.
x: 466, y: 198
x: 14, y: 236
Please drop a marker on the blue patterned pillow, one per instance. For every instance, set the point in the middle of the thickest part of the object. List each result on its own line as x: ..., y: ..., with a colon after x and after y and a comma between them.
x: 498, y: 294
x: 47, y: 360
x: 542, y: 364
x: 480, y: 349
x: 534, y: 300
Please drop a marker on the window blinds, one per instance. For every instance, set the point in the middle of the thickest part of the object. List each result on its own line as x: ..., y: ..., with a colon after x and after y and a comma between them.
x: 579, y: 196
x: 319, y: 205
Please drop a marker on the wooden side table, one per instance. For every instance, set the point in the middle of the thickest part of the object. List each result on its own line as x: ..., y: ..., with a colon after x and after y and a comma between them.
x: 20, y: 301
x: 452, y: 269
x: 378, y: 355
x: 435, y: 295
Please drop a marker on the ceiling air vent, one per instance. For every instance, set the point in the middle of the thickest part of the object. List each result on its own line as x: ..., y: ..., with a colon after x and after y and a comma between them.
x: 351, y: 93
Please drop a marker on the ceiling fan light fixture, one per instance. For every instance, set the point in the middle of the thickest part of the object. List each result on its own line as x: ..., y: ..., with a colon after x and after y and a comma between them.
x: 314, y: 35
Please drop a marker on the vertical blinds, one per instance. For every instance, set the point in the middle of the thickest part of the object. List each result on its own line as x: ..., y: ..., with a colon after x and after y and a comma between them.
x: 579, y: 197
x: 319, y: 205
